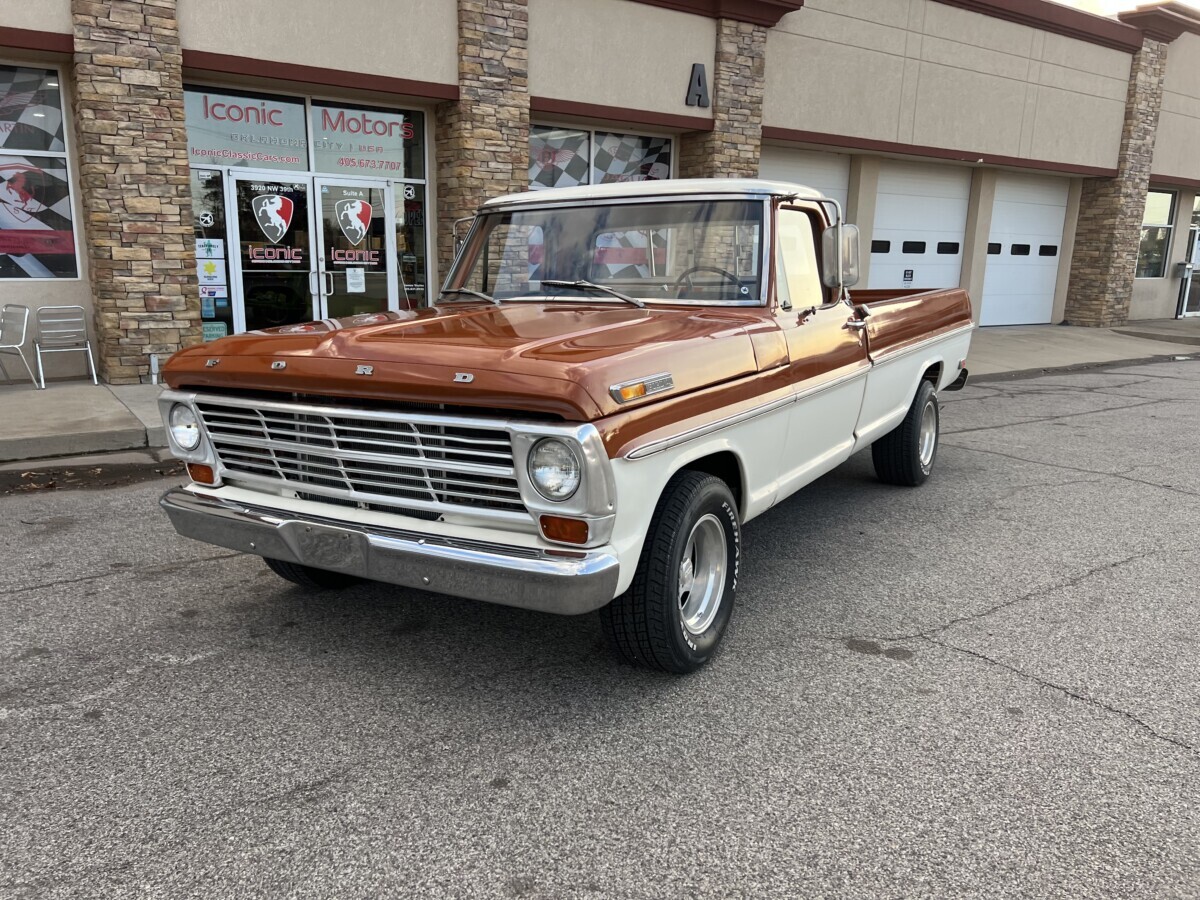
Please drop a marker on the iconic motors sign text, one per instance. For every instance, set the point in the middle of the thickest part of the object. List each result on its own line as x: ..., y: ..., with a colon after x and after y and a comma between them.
x: 367, y: 141
x: 252, y: 132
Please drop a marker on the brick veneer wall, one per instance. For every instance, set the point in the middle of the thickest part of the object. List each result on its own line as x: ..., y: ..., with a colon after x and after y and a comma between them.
x: 732, y: 148
x: 1110, y: 209
x: 135, y: 182
x: 482, y: 139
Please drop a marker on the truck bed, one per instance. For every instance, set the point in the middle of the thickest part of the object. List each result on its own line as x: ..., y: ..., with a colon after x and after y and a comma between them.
x: 902, y: 318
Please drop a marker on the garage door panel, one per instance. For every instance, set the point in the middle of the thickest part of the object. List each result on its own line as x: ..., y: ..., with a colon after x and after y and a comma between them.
x: 1027, y: 226
x: 828, y: 173
x: 924, y: 207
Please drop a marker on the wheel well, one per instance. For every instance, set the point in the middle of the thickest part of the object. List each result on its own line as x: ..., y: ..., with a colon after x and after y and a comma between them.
x: 723, y: 465
x: 933, y: 374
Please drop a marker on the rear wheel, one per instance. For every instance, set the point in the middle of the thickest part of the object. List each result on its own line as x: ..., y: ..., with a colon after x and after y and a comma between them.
x: 308, y: 577
x: 905, y: 455
x: 674, y: 614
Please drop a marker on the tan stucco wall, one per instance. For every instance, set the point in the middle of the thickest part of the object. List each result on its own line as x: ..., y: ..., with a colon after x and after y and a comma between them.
x: 618, y: 53
x: 920, y: 72
x: 418, y: 41
x: 1175, y: 145
x: 38, y: 15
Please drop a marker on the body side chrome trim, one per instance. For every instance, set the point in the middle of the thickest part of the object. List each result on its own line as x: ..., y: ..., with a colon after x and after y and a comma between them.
x: 736, y: 419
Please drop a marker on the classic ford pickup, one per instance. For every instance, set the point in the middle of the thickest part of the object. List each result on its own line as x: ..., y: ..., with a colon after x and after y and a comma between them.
x: 614, y: 381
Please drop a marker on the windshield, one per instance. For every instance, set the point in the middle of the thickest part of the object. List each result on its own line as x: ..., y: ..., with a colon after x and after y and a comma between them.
x: 700, y: 251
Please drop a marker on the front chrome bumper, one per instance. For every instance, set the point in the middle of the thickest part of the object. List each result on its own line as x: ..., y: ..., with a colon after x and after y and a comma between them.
x: 565, y: 582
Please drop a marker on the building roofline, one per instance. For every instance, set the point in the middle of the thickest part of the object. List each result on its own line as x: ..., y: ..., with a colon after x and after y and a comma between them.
x: 1054, y: 17
x: 1163, y: 21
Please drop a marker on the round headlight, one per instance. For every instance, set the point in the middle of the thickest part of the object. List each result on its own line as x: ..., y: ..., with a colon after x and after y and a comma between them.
x: 185, y: 430
x: 554, y: 469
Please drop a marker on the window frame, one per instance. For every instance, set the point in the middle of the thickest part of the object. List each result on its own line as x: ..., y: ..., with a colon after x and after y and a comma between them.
x: 1169, y: 225
x: 67, y: 155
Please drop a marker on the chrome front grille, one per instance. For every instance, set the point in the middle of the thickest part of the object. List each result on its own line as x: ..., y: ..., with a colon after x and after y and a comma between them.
x: 418, y: 463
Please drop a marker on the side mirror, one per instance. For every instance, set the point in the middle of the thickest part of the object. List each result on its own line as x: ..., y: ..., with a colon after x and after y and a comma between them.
x: 846, y: 274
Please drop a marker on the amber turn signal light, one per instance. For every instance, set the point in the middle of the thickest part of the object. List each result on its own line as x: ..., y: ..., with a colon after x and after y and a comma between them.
x: 567, y: 531
x: 201, y: 474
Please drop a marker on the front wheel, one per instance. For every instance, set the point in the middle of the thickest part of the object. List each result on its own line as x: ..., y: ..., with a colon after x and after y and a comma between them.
x: 905, y: 455
x: 675, y: 612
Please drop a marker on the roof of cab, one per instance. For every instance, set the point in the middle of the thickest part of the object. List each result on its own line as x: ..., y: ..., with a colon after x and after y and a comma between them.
x: 746, y: 187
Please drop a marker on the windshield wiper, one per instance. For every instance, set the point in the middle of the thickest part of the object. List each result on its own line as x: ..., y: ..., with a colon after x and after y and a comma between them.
x: 479, y: 294
x: 592, y: 286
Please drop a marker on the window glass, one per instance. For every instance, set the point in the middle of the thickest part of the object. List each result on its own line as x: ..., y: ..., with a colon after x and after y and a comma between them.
x: 212, y: 258
x: 257, y: 131
x: 410, y: 243
x: 365, y: 140
x: 706, y: 252
x: 37, y: 238
x: 1158, y: 208
x: 630, y: 157
x: 798, y: 260
x: 1196, y: 211
x: 1156, y: 235
x: 558, y: 157
x: 567, y: 157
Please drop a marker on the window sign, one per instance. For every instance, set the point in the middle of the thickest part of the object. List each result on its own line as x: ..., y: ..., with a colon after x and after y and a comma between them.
x: 566, y: 157
x: 362, y: 140
x: 37, y: 238
x: 255, y: 131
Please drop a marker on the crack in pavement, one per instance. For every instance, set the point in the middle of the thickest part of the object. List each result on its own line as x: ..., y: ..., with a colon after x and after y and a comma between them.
x: 157, y: 569
x: 1038, y: 419
x: 1037, y: 462
x: 1073, y: 694
x: 1048, y: 589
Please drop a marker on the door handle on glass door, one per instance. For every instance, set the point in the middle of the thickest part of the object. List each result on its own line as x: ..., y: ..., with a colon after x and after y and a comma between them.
x: 329, y: 291
x: 313, y: 287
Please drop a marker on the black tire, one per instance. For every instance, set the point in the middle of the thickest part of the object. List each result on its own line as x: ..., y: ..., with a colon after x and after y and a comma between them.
x: 308, y: 577
x: 646, y: 625
x: 897, y: 455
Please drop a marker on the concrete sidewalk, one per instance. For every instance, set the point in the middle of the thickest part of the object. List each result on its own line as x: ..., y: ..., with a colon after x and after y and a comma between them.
x: 77, y: 418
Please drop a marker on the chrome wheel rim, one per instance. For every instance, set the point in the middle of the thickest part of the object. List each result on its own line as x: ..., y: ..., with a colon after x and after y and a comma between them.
x: 702, y: 574
x: 928, y: 433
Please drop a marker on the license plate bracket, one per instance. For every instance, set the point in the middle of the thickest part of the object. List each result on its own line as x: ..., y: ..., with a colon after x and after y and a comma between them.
x: 326, y: 547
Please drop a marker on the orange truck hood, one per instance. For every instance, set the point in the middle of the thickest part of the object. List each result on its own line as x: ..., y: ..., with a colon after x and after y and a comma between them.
x: 555, y: 358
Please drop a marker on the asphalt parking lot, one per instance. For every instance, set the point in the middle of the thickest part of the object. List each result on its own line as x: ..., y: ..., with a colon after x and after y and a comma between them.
x: 986, y: 687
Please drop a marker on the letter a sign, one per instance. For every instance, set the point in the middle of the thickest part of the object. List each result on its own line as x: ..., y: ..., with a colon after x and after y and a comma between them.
x: 697, y: 94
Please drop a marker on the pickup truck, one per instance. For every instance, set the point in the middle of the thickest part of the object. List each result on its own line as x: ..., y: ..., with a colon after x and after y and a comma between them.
x: 613, y: 382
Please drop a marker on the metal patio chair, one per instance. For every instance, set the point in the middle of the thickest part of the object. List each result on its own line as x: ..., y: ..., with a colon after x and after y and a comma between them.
x: 62, y: 329
x: 14, y: 322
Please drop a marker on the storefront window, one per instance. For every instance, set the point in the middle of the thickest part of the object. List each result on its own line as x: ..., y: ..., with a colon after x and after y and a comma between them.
x: 1156, y: 234
x: 212, y: 267
x: 566, y: 157
x: 290, y: 229
x: 360, y: 140
x: 37, y: 238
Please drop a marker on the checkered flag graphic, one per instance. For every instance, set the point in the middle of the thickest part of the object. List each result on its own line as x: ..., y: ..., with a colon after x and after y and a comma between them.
x: 557, y: 158
x: 30, y: 112
x: 629, y: 157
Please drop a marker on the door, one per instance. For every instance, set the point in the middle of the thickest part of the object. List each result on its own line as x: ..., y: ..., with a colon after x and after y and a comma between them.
x: 1024, y: 247
x: 356, y: 239
x: 1189, y: 297
x: 273, y: 269
x: 827, y: 358
x: 920, y: 225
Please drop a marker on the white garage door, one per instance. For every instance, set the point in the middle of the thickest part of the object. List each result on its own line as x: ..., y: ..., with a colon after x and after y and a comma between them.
x: 920, y: 221
x: 829, y: 173
x: 1024, y: 247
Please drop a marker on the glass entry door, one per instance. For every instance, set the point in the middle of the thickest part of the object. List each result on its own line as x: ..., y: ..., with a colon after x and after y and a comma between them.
x: 1189, y: 301
x: 356, y: 237
x: 273, y: 264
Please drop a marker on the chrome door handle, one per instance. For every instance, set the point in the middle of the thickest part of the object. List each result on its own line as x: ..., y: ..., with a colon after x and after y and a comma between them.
x: 329, y: 293
x: 856, y: 324
x: 312, y: 284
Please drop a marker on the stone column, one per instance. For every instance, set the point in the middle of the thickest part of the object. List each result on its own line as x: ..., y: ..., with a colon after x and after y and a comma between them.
x: 733, y: 147
x: 135, y: 182
x: 482, y: 139
x: 1110, y: 210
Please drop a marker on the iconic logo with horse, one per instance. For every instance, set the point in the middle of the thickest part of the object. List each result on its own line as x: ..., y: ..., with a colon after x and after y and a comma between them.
x: 273, y: 213
x: 354, y: 218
